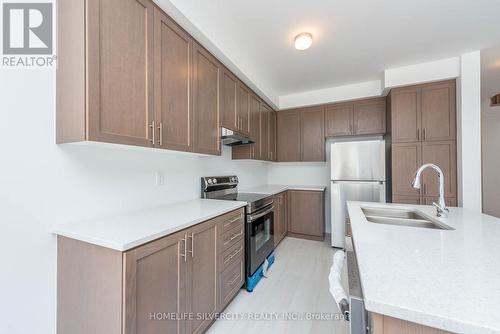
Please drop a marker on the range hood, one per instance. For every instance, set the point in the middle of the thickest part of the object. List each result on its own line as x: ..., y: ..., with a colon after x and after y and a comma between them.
x: 232, y: 138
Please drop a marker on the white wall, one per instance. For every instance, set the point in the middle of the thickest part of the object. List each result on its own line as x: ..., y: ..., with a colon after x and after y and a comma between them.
x: 469, y: 131
x: 42, y: 184
x: 490, y: 86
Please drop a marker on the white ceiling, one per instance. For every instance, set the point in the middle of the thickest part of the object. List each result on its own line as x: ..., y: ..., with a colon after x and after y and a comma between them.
x: 354, y: 40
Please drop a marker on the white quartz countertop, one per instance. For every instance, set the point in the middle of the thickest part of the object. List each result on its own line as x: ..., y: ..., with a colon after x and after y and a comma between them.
x: 273, y: 189
x: 126, y: 231
x: 447, y: 279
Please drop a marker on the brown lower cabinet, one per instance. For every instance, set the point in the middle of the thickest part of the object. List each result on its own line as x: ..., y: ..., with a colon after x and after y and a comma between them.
x: 280, y: 217
x: 306, y: 214
x: 159, y: 287
x: 425, y: 200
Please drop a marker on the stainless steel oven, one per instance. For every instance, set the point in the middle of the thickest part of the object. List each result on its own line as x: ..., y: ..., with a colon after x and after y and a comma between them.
x: 259, y: 237
x: 259, y: 223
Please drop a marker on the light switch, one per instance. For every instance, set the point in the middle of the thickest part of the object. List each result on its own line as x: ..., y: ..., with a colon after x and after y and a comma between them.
x: 159, y: 179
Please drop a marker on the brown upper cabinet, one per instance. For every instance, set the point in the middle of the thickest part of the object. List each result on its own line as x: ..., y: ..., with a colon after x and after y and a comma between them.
x: 312, y: 137
x: 356, y: 118
x: 243, y: 108
x: 205, y: 101
x: 272, y: 136
x: 228, y: 84
x: 288, y: 135
x: 300, y: 135
x: 424, y: 113
x: 369, y: 117
x: 116, y: 66
x: 264, y: 132
x: 339, y: 120
x: 173, y: 49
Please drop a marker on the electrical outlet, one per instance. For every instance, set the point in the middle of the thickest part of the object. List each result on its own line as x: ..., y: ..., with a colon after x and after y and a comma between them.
x: 160, y: 179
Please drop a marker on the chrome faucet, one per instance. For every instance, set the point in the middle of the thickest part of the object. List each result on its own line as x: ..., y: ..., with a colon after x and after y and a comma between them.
x: 442, y: 210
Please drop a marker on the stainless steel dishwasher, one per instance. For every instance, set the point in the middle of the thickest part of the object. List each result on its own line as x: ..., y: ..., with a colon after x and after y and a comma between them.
x: 358, y: 316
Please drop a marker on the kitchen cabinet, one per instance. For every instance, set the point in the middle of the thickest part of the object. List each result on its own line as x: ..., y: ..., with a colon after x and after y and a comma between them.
x: 369, y: 117
x: 438, y: 111
x: 97, y: 99
x: 416, y: 200
x: 339, y: 120
x: 312, y: 137
x: 423, y: 130
x: 288, y: 135
x: 442, y: 154
x: 361, y: 117
x: 280, y: 217
x: 424, y: 112
x: 228, y: 84
x: 195, y: 271
x: 243, y: 108
x: 205, y: 102
x: 172, y: 54
x: 406, y: 159
x: 306, y: 214
x: 405, y: 115
x: 450, y: 201
x: 255, y: 119
x: 201, y: 274
x: 264, y: 132
x: 155, y: 280
x: 272, y: 136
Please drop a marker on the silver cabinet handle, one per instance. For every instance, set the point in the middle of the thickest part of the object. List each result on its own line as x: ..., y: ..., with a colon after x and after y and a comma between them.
x: 418, y: 134
x: 233, y: 237
x: 153, y: 130
x: 233, y: 255
x: 160, y: 128
x: 425, y: 134
x: 233, y: 220
x: 231, y: 282
x: 185, y: 248
x: 192, y: 245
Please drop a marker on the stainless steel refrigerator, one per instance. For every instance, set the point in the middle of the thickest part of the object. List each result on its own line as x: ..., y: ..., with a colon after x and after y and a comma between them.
x: 357, y: 174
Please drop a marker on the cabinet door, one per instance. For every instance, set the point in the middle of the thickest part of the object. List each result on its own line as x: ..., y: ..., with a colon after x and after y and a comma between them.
x: 172, y: 84
x: 450, y: 201
x: 205, y: 101
x: 439, y: 112
x: 272, y: 136
x: 243, y: 108
x: 228, y: 85
x: 288, y: 131
x: 155, y: 282
x: 416, y: 200
x: 406, y: 115
x: 312, y: 135
x: 120, y: 71
x: 406, y: 159
x: 202, y: 274
x: 339, y: 120
x: 444, y: 155
x: 264, y: 132
x: 255, y: 118
x: 369, y: 117
x: 306, y: 210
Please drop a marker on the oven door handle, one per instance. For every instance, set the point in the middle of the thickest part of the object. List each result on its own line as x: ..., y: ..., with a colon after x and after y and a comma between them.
x: 251, y: 218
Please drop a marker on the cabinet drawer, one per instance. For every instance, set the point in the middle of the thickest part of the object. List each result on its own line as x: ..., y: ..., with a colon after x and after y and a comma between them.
x: 230, y: 220
x: 231, y: 237
x: 231, y: 281
x: 231, y: 254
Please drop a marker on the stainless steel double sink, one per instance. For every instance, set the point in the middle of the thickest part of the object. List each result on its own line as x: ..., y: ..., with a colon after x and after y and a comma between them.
x: 402, y: 217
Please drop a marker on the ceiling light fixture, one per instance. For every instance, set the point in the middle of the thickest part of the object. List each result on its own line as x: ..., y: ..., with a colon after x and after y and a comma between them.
x: 303, y: 41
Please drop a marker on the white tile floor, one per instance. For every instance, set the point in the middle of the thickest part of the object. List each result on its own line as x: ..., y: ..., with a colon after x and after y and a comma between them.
x: 298, y: 284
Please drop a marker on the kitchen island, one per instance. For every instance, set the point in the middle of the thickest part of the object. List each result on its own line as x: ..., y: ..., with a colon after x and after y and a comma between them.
x: 444, y: 279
